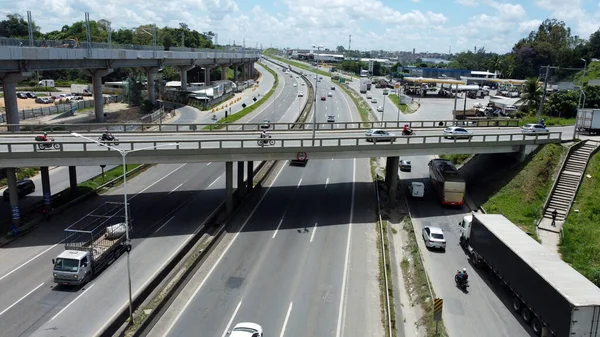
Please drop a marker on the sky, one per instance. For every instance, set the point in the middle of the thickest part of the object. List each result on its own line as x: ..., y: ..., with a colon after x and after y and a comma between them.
x: 425, y: 25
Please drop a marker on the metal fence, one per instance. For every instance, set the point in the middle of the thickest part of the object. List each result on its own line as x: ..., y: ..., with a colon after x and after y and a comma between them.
x: 60, y: 108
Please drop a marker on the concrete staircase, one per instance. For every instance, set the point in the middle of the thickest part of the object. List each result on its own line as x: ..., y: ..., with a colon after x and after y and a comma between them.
x: 565, y: 189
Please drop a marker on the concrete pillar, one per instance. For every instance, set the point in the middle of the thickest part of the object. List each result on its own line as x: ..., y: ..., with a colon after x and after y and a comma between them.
x: 223, y: 73
x: 391, y: 178
x: 229, y: 186
x: 207, y: 70
x: 235, y: 73
x: 97, y: 75
x: 46, y: 192
x: 9, y: 89
x: 73, y: 178
x: 240, y: 178
x: 11, y: 178
x: 183, y: 72
x: 150, y: 71
x: 250, y: 176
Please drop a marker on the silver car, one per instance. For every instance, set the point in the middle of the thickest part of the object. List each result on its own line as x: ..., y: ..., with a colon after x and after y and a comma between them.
x: 376, y: 135
x: 434, y: 237
x: 534, y: 128
x: 456, y: 132
x: 380, y: 108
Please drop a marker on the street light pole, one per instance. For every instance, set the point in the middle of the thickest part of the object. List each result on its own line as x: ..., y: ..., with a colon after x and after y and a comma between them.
x: 315, y: 94
x: 127, y: 239
x: 581, y: 93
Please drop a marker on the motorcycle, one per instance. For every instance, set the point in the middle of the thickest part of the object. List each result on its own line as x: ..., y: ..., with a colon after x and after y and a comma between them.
x: 265, y: 141
x: 460, y: 282
x: 47, y: 144
x: 408, y: 132
x: 111, y: 140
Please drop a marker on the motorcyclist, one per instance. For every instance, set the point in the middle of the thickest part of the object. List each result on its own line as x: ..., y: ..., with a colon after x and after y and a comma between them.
x: 406, y: 130
x: 264, y: 134
x: 44, y: 138
x: 107, y: 135
x: 463, y: 276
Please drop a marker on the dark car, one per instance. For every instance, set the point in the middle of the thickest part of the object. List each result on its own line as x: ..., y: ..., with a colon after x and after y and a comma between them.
x: 24, y: 187
x: 323, y: 98
x: 298, y: 162
x: 22, y: 95
x: 31, y: 94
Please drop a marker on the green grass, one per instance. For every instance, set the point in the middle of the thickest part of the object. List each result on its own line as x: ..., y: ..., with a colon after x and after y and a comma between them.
x: 361, y: 106
x: 390, y: 286
x: 522, y: 199
x: 550, y: 121
x: 302, y: 66
x: 22, y: 173
x: 403, y: 107
x: 456, y: 159
x: 580, y: 246
x: 237, y: 116
x: 591, y: 73
x: 109, y: 175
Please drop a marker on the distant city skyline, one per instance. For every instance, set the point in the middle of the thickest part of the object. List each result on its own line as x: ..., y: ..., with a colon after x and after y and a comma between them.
x: 428, y: 26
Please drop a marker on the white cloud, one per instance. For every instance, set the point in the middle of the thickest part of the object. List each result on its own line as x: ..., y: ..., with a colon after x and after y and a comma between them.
x: 468, y: 2
x: 508, y: 11
x: 528, y: 26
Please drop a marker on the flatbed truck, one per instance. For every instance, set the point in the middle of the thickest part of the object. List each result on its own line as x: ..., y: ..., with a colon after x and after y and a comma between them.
x: 91, y: 244
x: 548, y: 294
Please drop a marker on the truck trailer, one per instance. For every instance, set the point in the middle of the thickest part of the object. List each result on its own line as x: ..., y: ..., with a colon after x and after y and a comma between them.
x: 447, y: 182
x: 91, y: 244
x: 81, y: 89
x: 546, y: 292
x: 588, y: 121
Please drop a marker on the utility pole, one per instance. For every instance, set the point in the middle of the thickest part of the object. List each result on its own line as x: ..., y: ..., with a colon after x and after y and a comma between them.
x: 541, y: 107
x: 349, y: 42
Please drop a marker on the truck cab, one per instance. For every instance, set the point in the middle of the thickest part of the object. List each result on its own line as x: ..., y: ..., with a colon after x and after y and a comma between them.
x: 72, y: 267
x: 465, y: 228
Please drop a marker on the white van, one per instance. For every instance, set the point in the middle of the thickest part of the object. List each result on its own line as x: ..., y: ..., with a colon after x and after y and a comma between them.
x: 416, y: 189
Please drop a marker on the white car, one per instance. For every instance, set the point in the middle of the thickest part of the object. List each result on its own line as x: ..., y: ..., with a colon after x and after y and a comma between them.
x: 369, y: 96
x: 330, y: 94
x: 380, y: 108
x: 300, y: 94
x: 434, y: 237
x: 331, y: 119
x: 376, y: 135
x: 302, y: 83
x: 456, y: 132
x: 295, y: 84
x: 534, y: 128
x: 246, y: 329
x: 374, y: 100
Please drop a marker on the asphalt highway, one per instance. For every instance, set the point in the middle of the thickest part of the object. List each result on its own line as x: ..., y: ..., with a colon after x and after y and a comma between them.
x: 303, y: 262
x: 170, y: 203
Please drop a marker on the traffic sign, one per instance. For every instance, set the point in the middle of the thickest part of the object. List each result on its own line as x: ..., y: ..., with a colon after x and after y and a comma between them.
x: 397, y: 85
x: 301, y: 156
x: 438, y: 305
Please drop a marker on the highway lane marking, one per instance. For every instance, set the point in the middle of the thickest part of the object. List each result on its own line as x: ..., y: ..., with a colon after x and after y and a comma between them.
x: 210, y: 162
x: 159, y: 228
x: 76, y: 298
x: 312, y: 236
x: 156, y: 182
x: 326, y: 182
x: 20, y: 299
x: 232, y: 318
x: 280, y: 221
x: 300, y: 182
x: 173, y: 190
x: 342, y: 310
x: 287, y: 317
x: 219, y: 177
x: 212, y: 269
x: 28, y: 261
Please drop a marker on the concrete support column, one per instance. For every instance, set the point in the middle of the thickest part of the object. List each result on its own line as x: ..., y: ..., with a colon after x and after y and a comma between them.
x: 250, y: 176
x: 207, y: 70
x: 46, y: 192
x: 223, y: 73
x: 97, y: 75
x: 391, y: 178
x: 235, y: 73
x: 252, y: 70
x: 229, y: 186
x: 9, y: 89
x: 183, y: 73
x: 11, y: 178
x: 240, y: 178
x: 150, y: 71
x: 73, y: 178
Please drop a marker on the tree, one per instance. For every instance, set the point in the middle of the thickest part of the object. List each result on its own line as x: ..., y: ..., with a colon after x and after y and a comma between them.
x: 562, y: 104
x: 532, y: 93
x: 340, y: 49
x: 16, y: 27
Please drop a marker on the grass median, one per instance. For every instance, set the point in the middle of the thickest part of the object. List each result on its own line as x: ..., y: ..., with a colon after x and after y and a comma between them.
x: 361, y: 106
x: 240, y: 114
x: 396, y: 100
x: 581, y: 242
x: 21, y: 173
x: 456, y: 159
x: 549, y: 121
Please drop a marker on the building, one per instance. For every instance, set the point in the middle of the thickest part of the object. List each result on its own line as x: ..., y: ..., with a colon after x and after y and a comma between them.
x: 434, y: 72
x: 484, y: 74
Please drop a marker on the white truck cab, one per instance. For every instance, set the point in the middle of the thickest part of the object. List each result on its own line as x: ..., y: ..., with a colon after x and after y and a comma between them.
x: 72, y: 267
x: 465, y: 228
x: 416, y: 189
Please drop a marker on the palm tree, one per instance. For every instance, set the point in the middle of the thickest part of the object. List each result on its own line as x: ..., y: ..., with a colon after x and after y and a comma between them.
x: 532, y: 94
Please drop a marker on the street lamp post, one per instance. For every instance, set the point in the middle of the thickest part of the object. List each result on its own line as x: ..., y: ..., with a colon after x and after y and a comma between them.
x: 315, y: 94
x: 127, y: 239
x: 581, y: 93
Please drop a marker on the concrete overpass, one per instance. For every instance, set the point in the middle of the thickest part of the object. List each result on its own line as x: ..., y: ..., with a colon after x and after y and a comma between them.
x: 18, y: 63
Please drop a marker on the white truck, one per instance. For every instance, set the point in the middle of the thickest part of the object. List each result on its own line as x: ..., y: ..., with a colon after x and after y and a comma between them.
x: 546, y: 292
x: 91, y: 244
x: 46, y: 83
x: 81, y: 89
x: 588, y: 121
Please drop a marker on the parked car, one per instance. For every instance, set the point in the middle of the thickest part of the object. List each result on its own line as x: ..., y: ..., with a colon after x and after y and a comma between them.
x: 24, y: 187
x: 22, y: 95
x: 376, y: 135
x: 31, y: 94
x: 246, y: 329
x: 434, y: 237
x: 456, y: 132
x: 380, y: 108
x: 405, y: 165
x: 534, y: 128
x: 40, y: 100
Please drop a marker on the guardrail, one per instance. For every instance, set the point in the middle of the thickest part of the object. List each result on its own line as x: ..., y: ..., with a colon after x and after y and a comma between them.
x: 213, y: 127
x: 277, y: 143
